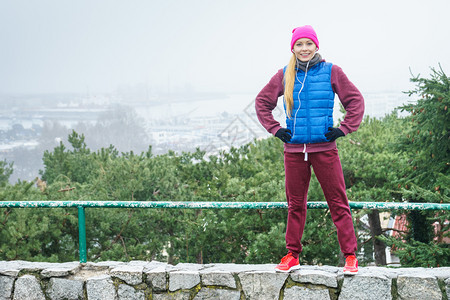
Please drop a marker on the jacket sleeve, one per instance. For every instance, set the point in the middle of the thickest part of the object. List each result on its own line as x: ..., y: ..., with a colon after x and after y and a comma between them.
x: 266, y: 101
x: 350, y: 97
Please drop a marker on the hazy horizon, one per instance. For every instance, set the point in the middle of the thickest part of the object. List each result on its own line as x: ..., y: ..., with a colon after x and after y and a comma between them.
x: 232, y: 46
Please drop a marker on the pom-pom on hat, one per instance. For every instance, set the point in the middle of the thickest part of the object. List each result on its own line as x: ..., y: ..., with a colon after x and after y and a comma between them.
x: 304, y: 32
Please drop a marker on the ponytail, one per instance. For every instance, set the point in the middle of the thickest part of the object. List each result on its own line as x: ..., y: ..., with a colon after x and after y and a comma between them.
x: 289, y: 80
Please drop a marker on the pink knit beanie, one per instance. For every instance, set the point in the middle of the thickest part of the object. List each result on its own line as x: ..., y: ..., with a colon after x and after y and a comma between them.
x: 304, y: 32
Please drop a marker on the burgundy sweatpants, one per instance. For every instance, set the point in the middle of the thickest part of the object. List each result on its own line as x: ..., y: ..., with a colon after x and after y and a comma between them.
x: 328, y: 170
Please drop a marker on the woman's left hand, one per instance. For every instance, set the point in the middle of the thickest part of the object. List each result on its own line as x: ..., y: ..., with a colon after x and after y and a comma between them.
x: 333, y: 133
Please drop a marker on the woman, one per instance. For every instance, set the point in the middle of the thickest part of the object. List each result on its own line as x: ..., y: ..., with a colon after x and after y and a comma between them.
x: 309, y: 85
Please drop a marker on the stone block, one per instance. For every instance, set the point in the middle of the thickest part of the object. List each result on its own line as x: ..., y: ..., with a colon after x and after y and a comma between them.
x: 127, y: 292
x: 102, y: 265
x: 180, y: 295
x: 130, y: 274
x: 418, y: 287
x: 315, y: 277
x: 60, y: 271
x: 148, y: 265
x: 217, y: 294
x: 157, y: 278
x: 183, y: 280
x: 9, y: 272
x: 219, y: 278
x: 54, y: 272
x: 60, y: 288
x: 441, y: 273
x: 28, y: 266
x: 262, y: 285
x: 238, y: 268
x: 300, y: 293
x: 325, y: 268
x: 188, y: 267
x: 376, y: 287
x: 27, y: 287
x: 6, y: 286
x: 447, y: 286
x: 141, y: 263
x: 101, y: 288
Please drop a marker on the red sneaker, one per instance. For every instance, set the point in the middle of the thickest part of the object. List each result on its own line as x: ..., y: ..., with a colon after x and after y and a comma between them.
x: 288, y: 263
x: 351, y: 265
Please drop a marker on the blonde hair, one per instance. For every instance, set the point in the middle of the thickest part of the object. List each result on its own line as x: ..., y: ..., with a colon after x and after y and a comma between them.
x: 289, y: 80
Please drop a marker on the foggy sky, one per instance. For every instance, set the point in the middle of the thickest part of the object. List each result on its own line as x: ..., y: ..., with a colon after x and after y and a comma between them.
x: 57, y: 46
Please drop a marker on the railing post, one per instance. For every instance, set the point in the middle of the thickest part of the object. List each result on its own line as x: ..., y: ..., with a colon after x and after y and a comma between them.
x: 82, y: 234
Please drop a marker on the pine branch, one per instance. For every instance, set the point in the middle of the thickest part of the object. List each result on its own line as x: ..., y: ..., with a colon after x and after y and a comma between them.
x: 393, y: 229
x: 118, y: 236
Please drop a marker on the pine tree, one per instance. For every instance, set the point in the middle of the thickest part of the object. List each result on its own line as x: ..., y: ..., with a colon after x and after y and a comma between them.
x: 426, y: 142
x: 6, y: 169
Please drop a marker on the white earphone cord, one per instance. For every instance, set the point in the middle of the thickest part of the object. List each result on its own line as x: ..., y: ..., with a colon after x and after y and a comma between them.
x: 301, y: 89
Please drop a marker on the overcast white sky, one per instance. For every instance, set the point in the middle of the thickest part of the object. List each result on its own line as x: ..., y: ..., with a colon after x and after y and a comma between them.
x: 53, y: 46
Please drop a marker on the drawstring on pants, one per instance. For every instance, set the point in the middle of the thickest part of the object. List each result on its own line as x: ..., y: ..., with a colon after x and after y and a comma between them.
x: 304, y: 151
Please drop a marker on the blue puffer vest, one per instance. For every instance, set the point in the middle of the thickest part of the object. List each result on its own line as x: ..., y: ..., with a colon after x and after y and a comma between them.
x: 310, y: 123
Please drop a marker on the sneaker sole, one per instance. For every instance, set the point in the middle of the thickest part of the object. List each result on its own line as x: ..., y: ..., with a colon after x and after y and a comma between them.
x: 287, y: 271
x: 350, y: 273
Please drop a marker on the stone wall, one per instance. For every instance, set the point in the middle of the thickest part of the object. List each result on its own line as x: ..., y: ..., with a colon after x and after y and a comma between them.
x: 20, y: 280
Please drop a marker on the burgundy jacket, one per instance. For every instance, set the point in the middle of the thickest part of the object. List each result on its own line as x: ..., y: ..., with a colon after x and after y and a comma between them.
x: 348, y: 94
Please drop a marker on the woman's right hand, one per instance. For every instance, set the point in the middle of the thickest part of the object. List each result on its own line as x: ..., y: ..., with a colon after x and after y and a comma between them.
x: 283, y: 134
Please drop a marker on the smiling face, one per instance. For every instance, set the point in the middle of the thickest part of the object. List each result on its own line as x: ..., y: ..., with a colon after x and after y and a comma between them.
x: 304, y: 49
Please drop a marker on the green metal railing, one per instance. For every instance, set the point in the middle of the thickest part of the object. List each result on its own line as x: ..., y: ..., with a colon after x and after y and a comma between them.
x: 81, y: 205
